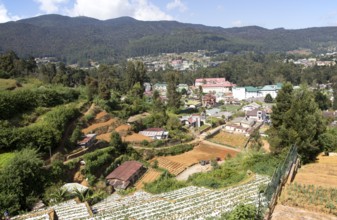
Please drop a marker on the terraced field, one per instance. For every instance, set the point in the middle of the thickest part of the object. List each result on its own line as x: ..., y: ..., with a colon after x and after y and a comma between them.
x: 313, y: 189
x: 150, y: 176
x: 96, y: 126
x: 178, y: 163
x: 173, y: 167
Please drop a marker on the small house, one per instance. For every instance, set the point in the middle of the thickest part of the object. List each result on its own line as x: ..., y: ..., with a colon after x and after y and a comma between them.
x: 125, y: 175
x: 87, y: 141
x: 155, y: 133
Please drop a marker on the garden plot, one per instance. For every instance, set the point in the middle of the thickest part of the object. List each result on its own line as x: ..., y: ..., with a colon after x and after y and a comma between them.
x: 187, y: 203
x: 92, y: 128
x: 228, y: 139
x: 314, y: 187
x: 150, y: 176
x: 178, y: 163
x: 69, y: 210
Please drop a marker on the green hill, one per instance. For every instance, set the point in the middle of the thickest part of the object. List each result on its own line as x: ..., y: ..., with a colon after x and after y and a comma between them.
x: 79, y: 39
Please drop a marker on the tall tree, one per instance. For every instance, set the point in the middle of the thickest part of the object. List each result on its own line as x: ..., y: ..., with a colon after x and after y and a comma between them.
x: 117, y: 143
x: 283, y: 104
x: 268, y: 98
x: 322, y: 100
x: 135, y: 72
x: 301, y: 125
x: 173, y: 96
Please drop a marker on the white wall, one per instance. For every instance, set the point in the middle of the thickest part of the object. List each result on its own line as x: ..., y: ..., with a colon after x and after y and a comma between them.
x: 239, y: 93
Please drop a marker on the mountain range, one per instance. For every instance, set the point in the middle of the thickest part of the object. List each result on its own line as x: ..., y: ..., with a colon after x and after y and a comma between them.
x: 79, y: 39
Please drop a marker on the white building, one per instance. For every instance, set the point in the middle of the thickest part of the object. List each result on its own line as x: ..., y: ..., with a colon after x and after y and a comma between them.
x: 247, y: 92
x: 155, y: 133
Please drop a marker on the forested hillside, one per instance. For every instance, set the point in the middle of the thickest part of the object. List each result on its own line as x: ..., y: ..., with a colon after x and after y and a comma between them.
x: 76, y: 40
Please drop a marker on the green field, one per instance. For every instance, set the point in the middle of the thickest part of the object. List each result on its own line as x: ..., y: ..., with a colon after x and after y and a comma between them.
x: 231, y: 108
x: 6, y: 84
x: 5, y: 158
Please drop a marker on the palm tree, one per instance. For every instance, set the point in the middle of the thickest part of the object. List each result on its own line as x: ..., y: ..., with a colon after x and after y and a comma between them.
x: 59, y: 195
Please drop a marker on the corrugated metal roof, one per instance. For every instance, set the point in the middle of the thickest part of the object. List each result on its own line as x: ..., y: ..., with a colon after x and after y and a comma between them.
x: 125, y: 171
x: 251, y: 89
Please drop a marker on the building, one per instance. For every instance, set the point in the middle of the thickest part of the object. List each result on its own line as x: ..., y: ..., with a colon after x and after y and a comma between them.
x: 194, y: 120
x: 182, y: 87
x: 214, y: 85
x: 155, y: 133
x: 208, y: 100
x: 125, y: 175
x: 240, y: 125
x: 256, y: 114
x: 250, y: 107
x: 248, y: 92
x: 270, y: 89
x: 218, y: 113
x: 87, y: 141
x: 160, y: 87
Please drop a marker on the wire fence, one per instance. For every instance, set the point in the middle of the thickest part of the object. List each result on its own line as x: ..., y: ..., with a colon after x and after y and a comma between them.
x: 280, y: 173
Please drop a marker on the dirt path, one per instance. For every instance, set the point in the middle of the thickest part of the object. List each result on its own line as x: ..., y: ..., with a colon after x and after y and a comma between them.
x: 220, y: 145
x: 266, y: 145
x: 196, y: 168
x: 282, y: 212
x: 91, y: 108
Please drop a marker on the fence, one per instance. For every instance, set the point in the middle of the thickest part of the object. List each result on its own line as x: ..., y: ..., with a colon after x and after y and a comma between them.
x: 279, y: 178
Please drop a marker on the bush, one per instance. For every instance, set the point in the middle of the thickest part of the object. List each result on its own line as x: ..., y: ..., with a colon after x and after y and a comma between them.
x: 165, y: 183
x: 178, y: 149
x: 19, y: 101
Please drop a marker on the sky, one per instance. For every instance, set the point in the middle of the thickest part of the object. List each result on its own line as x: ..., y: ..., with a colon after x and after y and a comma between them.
x: 289, y: 14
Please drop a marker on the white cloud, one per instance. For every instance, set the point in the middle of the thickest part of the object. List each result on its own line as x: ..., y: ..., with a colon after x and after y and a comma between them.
x: 5, y: 16
x: 176, y: 4
x: 50, y: 6
x: 238, y: 23
x: 107, y: 9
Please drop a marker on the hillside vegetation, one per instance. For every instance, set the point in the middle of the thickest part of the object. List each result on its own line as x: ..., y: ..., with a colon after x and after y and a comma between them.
x: 80, y: 39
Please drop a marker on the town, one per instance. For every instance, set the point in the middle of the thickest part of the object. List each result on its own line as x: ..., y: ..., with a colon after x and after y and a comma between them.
x: 132, y: 110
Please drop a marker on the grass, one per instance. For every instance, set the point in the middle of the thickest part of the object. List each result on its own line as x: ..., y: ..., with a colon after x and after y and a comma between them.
x: 5, y: 158
x: 6, y: 84
x: 322, y: 199
x: 231, y: 140
x: 204, y: 127
x: 232, y: 108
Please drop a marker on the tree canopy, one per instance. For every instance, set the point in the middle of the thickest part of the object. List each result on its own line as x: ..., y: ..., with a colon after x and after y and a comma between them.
x: 297, y: 120
x: 21, y: 181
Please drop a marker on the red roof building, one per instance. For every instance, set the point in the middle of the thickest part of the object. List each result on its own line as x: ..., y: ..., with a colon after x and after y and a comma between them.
x: 215, y: 85
x: 126, y: 174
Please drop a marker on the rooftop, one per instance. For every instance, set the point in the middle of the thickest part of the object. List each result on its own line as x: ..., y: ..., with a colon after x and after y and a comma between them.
x: 125, y: 171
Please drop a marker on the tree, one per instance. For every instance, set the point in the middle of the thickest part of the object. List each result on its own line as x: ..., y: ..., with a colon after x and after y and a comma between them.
x: 322, y: 100
x: 21, y: 181
x: 135, y: 72
x: 283, y: 104
x: 268, y: 99
x: 173, y: 96
x: 328, y: 140
x: 92, y: 87
x: 117, y: 143
x: 301, y: 125
x: 76, y: 135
